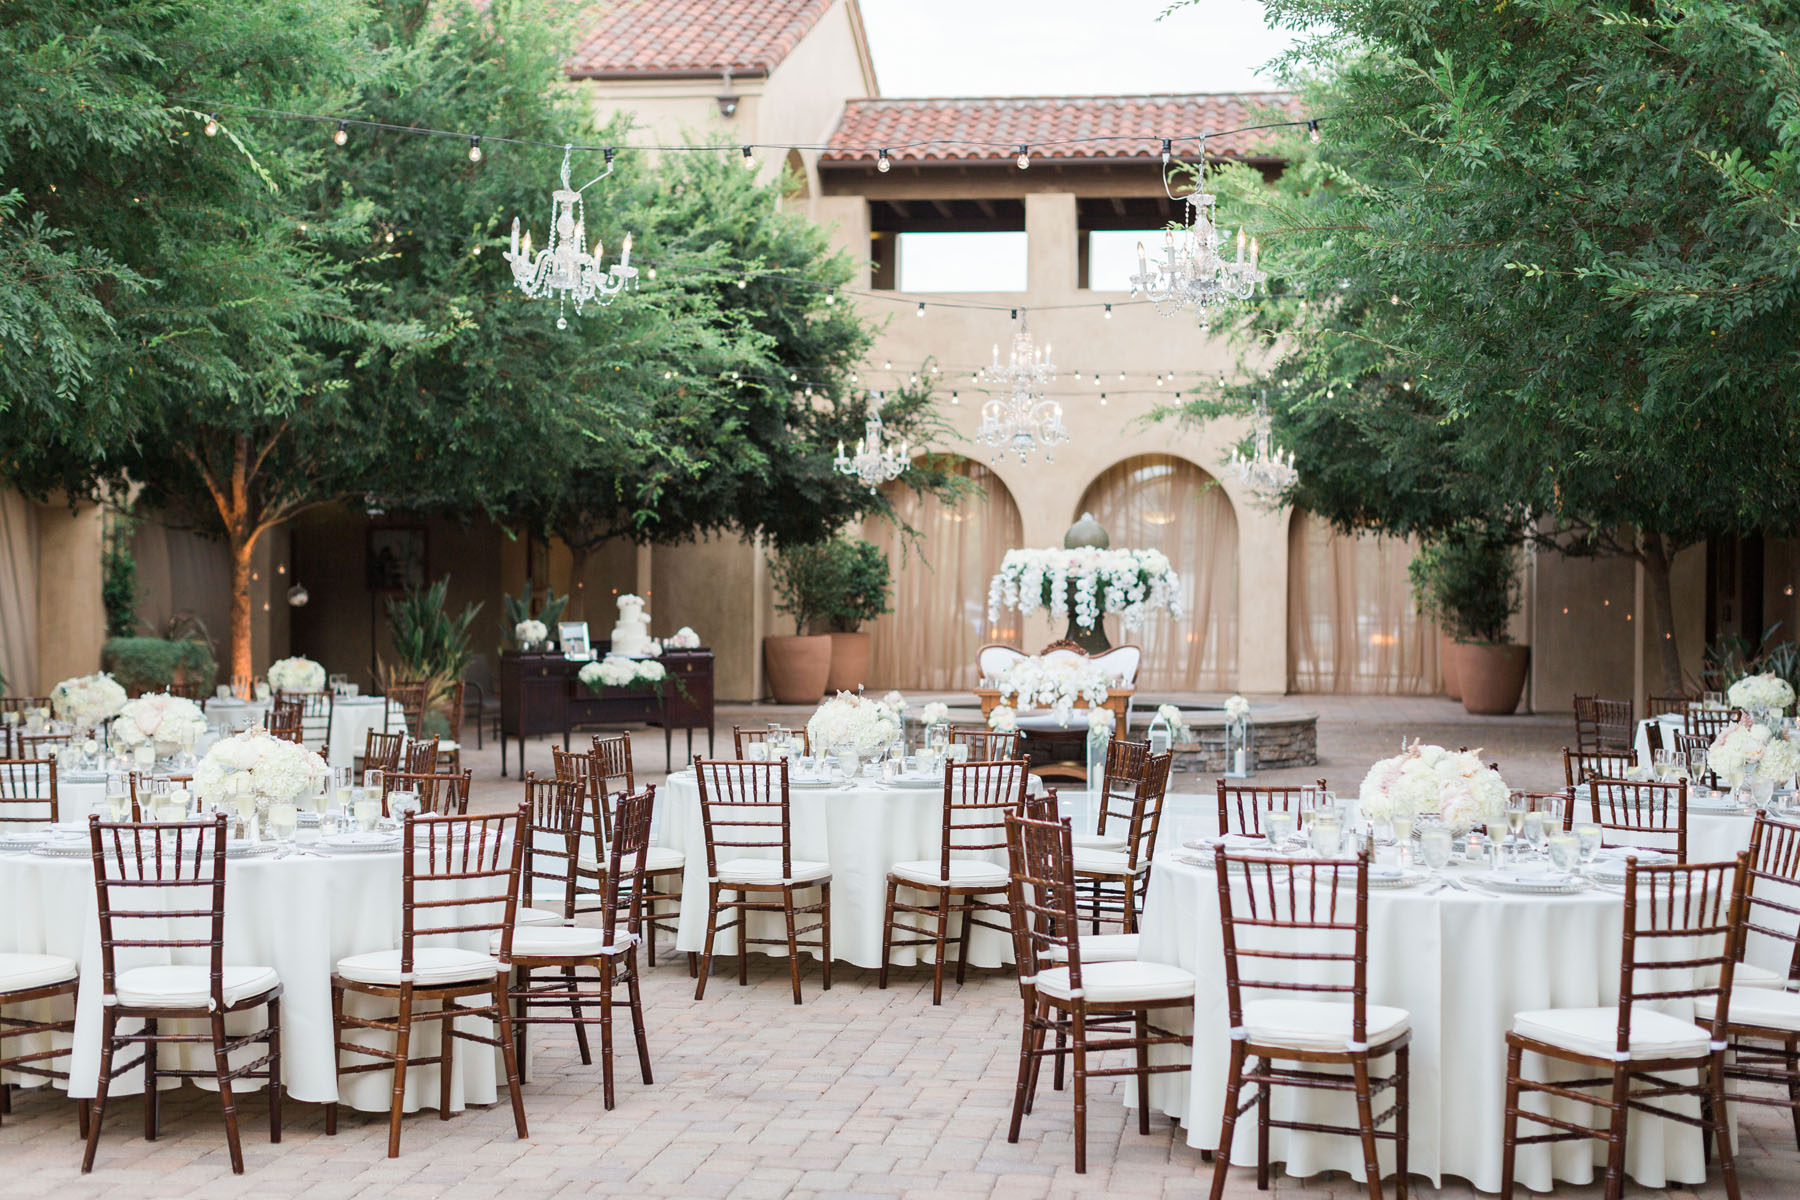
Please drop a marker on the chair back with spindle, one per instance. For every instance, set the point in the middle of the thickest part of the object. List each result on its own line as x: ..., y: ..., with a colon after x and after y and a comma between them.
x: 23, y: 704
x: 1140, y: 843
x: 576, y: 767
x: 409, y: 697
x: 460, y: 878
x: 27, y: 791
x: 977, y: 797
x: 613, y: 768
x: 1119, y: 783
x: 160, y: 886
x: 625, y: 865
x: 1772, y: 891
x: 41, y: 745
x: 452, y: 698
x: 1581, y: 765
x: 382, y: 751
x: 422, y: 755
x: 1241, y: 805
x: 1634, y: 813
x: 741, y: 737
x: 552, y: 815
x: 1557, y: 807
x: 1682, y: 925
x: 193, y: 690
x: 438, y: 794
x: 1709, y: 722
x: 1656, y: 706
x: 1296, y: 927
x: 744, y: 806
x: 1041, y: 898
x: 315, y: 714
x: 985, y: 745
x: 1603, y: 725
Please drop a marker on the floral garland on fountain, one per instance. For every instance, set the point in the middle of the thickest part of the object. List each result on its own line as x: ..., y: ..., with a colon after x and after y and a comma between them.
x: 87, y: 700
x: 296, y: 675
x: 851, y: 722
x: 266, y: 765
x: 1129, y: 583
x: 1453, y: 785
x: 1057, y: 684
x: 168, y: 724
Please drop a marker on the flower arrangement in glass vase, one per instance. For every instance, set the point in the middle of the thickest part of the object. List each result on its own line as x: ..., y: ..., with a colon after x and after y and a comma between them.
x: 169, y: 725
x: 620, y: 672
x: 1056, y: 683
x: 1747, y: 750
x: 87, y: 700
x: 1762, y: 696
x: 257, y: 763
x: 935, y: 713
x: 851, y: 722
x: 530, y: 634
x: 296, y: 675
x: 1003, y: 719
x: 1129, y: 583
x: 1454, y: 786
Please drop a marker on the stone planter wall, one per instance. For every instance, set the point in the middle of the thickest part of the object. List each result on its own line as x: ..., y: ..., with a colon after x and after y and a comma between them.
x: 1281, y: 737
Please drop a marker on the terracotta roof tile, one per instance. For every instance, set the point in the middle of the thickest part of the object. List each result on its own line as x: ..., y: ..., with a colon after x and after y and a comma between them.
x: 1055, y: 127
x: 695, y: 35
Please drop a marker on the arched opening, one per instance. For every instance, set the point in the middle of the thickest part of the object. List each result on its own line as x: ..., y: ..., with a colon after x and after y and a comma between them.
x: 1160, y: 502
x: 794, y: 185
x: 1351, y: 622
x: 940, y: 583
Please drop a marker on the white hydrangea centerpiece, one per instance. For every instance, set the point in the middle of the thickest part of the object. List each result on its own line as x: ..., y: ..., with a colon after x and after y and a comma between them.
x: 615, y: 670
x: 1004, y: 719
x: 87, y: 700
x: 1128, y: 583
x: 935, y: 713
x: 1453, y: 785
x: 530, y: 632
x: 296, y: 675
x: 1745, y: 747
x: 169, y: 724
x: 1057, y: 683
x: 851, y: 722
x: 258, y: 762
x: 1765, y: 693
x: 1178, y: 730
x: 1237, y: 709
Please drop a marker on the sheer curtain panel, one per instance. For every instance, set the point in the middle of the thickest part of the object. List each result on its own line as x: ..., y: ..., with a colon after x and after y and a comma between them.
x: 1351, y: 622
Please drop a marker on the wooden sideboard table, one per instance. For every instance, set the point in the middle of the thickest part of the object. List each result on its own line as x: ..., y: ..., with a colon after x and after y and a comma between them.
x: 540, y: 694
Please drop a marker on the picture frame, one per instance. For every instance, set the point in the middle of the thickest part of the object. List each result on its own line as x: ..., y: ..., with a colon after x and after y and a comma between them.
x: 573, y: 636
x: 396, y: 557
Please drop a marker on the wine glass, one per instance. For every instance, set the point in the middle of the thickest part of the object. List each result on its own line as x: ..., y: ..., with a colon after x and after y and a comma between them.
x: 118, y: 796
x: 1534, y: 830
x: 1402, y: 823
x: 1496, y: 831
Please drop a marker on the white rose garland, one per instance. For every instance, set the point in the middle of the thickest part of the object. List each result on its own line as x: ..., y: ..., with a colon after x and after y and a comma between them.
x: 1128, y: 583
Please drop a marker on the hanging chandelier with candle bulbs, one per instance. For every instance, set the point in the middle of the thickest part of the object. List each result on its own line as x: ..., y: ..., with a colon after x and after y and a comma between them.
x: 1194, y: 271
x: 875, y: 461
x: 1265, y: 470
x: 564, y: 268
x: 1021, y: 419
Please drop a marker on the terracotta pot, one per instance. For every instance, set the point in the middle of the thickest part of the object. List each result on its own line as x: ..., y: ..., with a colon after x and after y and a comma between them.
x: 1449, y: 666
x: 849, y: 662
x: 1493, y: 675
x: 797, y: 667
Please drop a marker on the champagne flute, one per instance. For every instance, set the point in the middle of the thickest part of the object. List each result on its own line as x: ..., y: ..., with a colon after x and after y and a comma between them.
x: 1402, y: 823
x: 246, y: 811
x: 1496, y: 831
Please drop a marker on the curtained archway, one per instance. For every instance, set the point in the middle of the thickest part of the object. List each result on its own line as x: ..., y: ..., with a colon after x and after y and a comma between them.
x: 1351, y: 622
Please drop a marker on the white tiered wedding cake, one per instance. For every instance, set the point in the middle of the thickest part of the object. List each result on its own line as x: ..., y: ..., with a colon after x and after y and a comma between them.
x: 631, y: 636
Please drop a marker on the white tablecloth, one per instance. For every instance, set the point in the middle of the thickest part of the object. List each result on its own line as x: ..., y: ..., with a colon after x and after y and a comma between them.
x: 299, y: 915
x: 352, y: 718
x: 1462, y: 963
x: 1672, y: 724
x: 861, y: 832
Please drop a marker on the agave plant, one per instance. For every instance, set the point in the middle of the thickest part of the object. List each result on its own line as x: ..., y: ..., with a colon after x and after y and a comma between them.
x: 431, y: 645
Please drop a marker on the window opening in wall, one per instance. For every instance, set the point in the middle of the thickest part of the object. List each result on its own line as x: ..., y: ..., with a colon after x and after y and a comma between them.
x: 1108, y: 231
x: 960, y: 245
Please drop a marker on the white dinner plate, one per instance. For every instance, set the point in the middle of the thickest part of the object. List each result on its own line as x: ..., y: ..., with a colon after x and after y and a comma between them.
x: 1237, y: 843
x: 1644, y: 854
x: 59, y: 848
x: 360, y: 843
x: 239, y: 848
x: 1396, y: 877
x: 915, y: 782
x: 17, y: 843
x: 1548, y: 883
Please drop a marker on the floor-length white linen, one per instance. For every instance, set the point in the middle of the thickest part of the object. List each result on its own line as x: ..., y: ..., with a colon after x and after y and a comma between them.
x: 297, y: 914
x: 861, y: 832
x: 1462, y: 963
x: 353, y: 718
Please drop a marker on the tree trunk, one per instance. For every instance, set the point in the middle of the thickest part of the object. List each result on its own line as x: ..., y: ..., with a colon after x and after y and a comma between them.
x: 241, y: 671
x: 1656, y: 555
x: 578, y: 556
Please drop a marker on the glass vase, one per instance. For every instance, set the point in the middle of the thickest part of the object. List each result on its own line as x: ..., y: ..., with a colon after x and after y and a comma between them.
x: 1240, y: 750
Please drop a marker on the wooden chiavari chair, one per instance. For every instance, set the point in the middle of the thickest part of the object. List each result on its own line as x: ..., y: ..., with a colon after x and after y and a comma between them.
x: 193, y: 690
x: 1652, y: 816
x: 314, y: 710
x: 1579, y: 766
x: 549, y: 854
x: 1065, y: 993
x: 1118, y: 791
x: 439, y: 795
x: 1604, y: 726
x: 381, y: 752
x: 33, y: 979
x: 985, y: 745
x: 586, y: 965
x: 1656, y: 706
x: 40, y: 745
x: 1269, y: 909
x: 613, y: 763
x: 613, y: 774
x: 741, y: 737
x: 27, y: 791
x: 410, y: 697
x: 284, y: 719
x: 1764, y: 1029
x: 23, y: 704
x: 1679, y: 920
x: 421, y: 757
x: 963, y: 881
x: 154, y: 884
x: 1114, y: 880
x: 744, y: 810
x: 460, y: 879
x: 1241, y: 806
x: 1709, y: 722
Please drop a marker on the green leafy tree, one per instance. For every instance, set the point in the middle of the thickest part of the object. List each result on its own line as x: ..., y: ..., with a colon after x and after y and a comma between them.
x: 1542, y: 269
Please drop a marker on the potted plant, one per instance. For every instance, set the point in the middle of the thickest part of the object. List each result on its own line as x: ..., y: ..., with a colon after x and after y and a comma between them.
x: 799, y: 667
x: 1422, y: 571
x: 1468, y: 580
x: 432, y: 647
x: 855, y: 590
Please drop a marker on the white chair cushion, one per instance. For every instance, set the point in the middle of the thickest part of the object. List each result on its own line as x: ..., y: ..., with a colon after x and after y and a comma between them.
x: 1102, y: 948
x: 557, y: 941
x: 537, y: 916
x: 1595, y: 1031
x: 1098, y: 841
x: 1769, y: 1008
x: 1318, y: 1024
x: 188, y: 987
x: 1105, y: 862
x: 767, y: 871
x: 1121, y: 983
x: 1749, y: 975
x: 431, y: 965
x: 657, y: 859
x: 964, y: 872
x: 25, y: 972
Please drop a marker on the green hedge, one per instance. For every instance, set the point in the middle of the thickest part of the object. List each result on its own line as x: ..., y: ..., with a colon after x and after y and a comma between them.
x: 147, y: 664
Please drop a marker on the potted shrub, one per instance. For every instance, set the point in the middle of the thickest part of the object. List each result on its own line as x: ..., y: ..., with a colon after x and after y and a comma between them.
x: 799, y: 667
x: 432, y: 647
x: 151, y: 664
x: 1469, y: 581
x: 856, y: 578
x: 1422, y: 571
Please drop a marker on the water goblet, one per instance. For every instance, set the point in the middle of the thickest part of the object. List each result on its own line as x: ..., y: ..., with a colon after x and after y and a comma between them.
x: 368, y: 810
x: 1534, y: 830
x: 1278, y: 827
x: 1588, y: 835
x: 959, y: 753
x: 847, y: 765
x: 1565, y: 851
x: 372, y: 781
x: 1325, y: 832
x: 284, y: 815
x: 1434, y: 845
x: 118, y: 796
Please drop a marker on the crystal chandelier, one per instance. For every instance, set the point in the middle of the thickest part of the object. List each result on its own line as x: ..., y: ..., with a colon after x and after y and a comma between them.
x: 874, y: 462
x: 1265, y: 470
x: 1021, y: 420
x: 1193, y: 273
x: 564, y: 268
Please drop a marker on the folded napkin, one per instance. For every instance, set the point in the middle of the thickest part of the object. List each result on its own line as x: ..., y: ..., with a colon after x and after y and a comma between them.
x: 1534, y: 878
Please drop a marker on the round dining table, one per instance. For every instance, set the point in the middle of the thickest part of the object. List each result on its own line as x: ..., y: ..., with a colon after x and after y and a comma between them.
x: 299, y: 913
x: 353, y: 718
x: 1462, y: 962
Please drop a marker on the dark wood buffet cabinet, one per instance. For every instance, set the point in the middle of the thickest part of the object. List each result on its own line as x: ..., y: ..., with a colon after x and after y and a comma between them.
x: 540, y: 695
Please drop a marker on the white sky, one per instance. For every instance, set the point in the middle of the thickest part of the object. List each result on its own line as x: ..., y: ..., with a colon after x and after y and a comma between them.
x: 1068, y: 47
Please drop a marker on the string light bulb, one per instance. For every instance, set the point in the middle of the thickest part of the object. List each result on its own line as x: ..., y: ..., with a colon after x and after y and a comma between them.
x: 212, y: 125
x: 1109, y: 312
x: 1024, y: 157
x: 881, y: 162
x: 474, y: 149
x: 1312, y: 131
x: 749, y: 159
x: 342, y: 135
x: 920, y: 311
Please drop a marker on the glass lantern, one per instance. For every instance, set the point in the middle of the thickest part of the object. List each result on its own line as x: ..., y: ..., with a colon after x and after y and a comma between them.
x: 1240, y: 750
